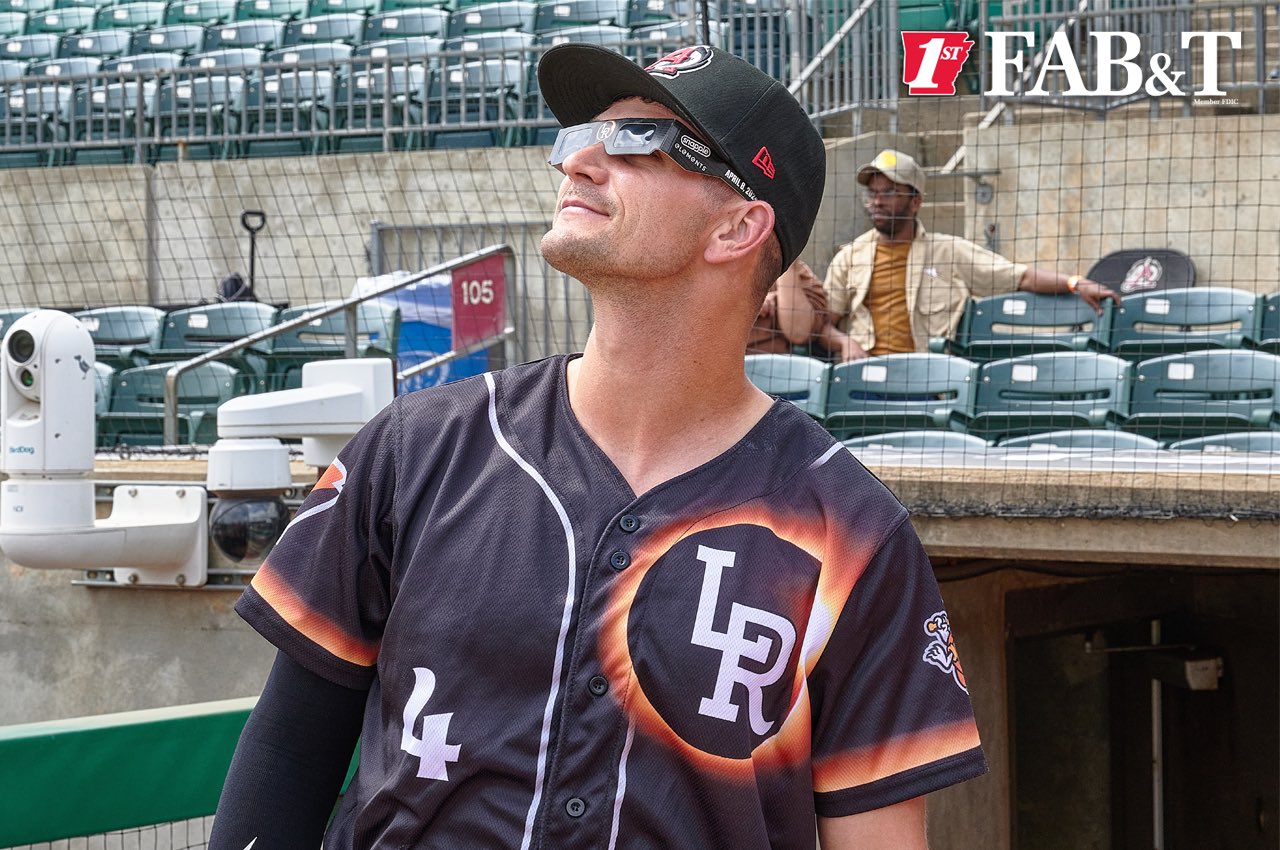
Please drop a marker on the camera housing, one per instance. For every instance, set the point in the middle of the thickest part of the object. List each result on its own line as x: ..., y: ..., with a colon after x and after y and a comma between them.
x: 46, y: 397
x: 155, y: 535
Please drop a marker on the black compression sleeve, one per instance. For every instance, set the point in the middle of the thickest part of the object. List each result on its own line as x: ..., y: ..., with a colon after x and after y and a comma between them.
x: 290, y: 762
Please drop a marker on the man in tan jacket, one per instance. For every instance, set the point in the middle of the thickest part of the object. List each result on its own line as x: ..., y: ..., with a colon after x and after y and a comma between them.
x: 896, y: 286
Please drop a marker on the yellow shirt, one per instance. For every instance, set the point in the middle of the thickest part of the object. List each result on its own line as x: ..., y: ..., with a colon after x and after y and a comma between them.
x: 887, y: 300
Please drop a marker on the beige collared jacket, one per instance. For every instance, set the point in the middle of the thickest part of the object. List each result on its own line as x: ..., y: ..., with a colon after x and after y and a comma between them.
x: 942, y: 271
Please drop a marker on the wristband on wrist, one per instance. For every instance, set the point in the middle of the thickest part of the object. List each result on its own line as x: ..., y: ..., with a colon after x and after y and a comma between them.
x: 1073, y: 282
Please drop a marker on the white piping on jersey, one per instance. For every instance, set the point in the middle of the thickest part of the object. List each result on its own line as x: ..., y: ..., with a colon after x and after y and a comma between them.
x: 622, y: 784
x: 249, y: 846
x: 544, y: 742
x: 826, y: 457
x: 317, y: 509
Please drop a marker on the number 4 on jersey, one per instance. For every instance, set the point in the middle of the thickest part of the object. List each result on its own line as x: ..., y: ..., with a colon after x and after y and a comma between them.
x: 432, y: 751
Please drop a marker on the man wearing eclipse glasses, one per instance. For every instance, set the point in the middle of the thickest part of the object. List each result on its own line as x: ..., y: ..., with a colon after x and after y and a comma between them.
x: 619, y: 599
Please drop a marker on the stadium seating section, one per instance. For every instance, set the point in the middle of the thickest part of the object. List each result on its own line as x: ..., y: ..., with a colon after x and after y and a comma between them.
x: 1042, y: 374
x: 117, y: 98
x: 1218, y: 397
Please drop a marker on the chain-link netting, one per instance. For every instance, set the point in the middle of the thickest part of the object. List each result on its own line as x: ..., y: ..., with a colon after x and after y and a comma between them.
x: 1052, y: 292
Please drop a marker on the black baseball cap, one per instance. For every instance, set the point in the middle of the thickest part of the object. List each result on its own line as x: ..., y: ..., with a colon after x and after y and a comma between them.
x: 750, y: 120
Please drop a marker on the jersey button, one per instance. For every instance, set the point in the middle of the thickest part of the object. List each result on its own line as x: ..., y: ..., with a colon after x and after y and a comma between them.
x: 629, y: 523
x: 620, y: 560
x: 598, y: 685
x: 576, y: 807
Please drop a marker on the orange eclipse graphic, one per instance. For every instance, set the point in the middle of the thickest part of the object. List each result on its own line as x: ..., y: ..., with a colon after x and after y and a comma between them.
x: 842, y: 561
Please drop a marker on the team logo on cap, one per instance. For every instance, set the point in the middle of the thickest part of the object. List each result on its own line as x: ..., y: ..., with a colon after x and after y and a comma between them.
x: 682, y: 61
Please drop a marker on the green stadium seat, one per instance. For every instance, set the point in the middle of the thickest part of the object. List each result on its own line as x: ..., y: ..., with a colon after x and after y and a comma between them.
x: 897, y: 392
x: 183, y: 39
x: 136, y: 414
x: 418, y: 50
x: 378, y: 335
x: 508, y: 45
x: 101, y: 113
x: 396, y: 5
x: 60, y: 21
x: 324, y: 55
x: 26, y: 6
x: 493, y: 17
x: 1171, y: 321
x: 282, y: 104
x: 143, y: 62
x: 122, y: 336
x: 366, y: 101
x: 102, y: 378
x: 317, y: 8
x: 183, y: 112
x: 30, y: 48
x: 925, y: 440
x: 605, y: 35
x: 193, y: 331
x: 28, y: 124
x: 800, y: 380
x: 76, y: 66
x: 1018, y: 323
x: 1199, y: 393
x: 1047, y: 392
x: 1084, y: 438
x: 406, y: 23
x: 262, y: 34
x: 662, y: 38
x: 204, y: 12
x: 926, y: 16
x: 1235, y: 441
x: 476, y: 93
x: 11, y: 69
x: 1269, y: 333
x: 343, y: 27
x: 274, y: 10
x: 643, y: 12
x: 560, y: 14
x: 227, y: 59
x: 101, y: 44
x: 144, y: 14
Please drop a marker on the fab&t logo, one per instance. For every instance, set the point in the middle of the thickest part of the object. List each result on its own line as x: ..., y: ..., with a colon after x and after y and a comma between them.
x: 931, y: 61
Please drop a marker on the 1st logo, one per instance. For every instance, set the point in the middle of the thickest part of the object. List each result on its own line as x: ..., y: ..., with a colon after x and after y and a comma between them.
x: 931, y: 61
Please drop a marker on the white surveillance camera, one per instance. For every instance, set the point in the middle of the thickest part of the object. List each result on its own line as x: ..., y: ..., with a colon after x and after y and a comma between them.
x: 155, y: 535
x: 46, y: 396
x: 248, y: 476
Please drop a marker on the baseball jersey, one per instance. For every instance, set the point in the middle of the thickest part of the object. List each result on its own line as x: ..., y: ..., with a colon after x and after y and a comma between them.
x: 554, y: 662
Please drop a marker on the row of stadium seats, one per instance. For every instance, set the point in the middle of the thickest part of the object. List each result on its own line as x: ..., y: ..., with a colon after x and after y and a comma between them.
x: 149, y: 27
x: 1146, y: 325
x: 1078, y: 439
x: 1169, y: 398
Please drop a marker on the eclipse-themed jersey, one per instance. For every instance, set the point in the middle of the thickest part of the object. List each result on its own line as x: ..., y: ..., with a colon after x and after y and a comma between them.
x: 554, y: 662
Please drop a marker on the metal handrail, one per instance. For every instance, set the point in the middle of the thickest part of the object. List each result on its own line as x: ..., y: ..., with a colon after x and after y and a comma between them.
x: 827, y: 49
x: 348, y: 304
x: 456, y: 354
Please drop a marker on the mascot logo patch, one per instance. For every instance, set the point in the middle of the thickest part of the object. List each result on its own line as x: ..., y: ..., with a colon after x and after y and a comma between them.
x: 1144, y: 274
x: 682, y: 61
x: 941, y: 653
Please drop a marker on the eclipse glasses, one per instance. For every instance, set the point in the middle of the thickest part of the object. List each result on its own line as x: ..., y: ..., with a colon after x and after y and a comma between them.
x: 642, y: 136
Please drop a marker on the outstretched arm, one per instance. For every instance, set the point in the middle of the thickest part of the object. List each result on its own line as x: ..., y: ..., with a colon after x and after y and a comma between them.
x: 290, y: 762
x: 1051, y: 283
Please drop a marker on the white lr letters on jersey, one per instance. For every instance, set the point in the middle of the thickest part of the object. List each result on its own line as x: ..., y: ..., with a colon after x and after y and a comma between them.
x: 432, y: 751
x: 734, y: 646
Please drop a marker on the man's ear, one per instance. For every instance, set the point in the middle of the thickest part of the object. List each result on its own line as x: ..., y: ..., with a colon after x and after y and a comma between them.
x: 743, y: 229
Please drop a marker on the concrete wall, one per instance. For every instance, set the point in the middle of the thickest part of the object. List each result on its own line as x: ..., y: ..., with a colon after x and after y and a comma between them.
x: 1067, y: 193
x: 1064, y: 195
